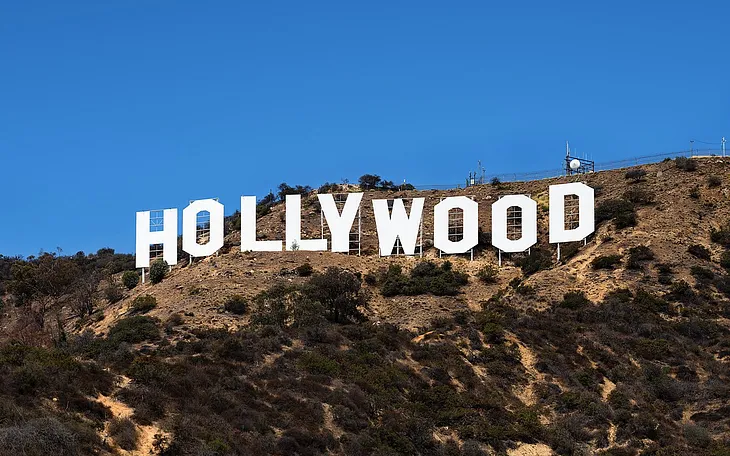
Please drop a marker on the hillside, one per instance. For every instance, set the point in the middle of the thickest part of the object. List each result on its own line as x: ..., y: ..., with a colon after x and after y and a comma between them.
x: 620, y: 348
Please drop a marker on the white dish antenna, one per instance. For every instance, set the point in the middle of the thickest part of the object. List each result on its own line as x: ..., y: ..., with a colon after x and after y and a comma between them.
x: 574, y: 164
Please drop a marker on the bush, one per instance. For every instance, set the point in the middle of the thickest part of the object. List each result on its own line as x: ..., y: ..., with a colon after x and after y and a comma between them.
x: 304, y: 270
x: 338, y: 291
x: 328, y: 187
x: 124, y: 433
x: 725, y: 260
x: 639, y: 196
x: 113, y: 293
x: 370, y: 278
x: 606, y: 261
x: 619, y: 210
x: 426, y: 277
x: 694, y: 192
x: 637, y: 255
x: 625, y: 220
x: 699, y: 251
x: 635, y: 174
x: 496, y: 182
x: 130, y: 279
x: 285, y: 189
x: 369, y: 181
x: 721, y: 236
x: 134, y: 330
x: 714, y: 181
x: 575, y: 300
x: 488, y: 274
x: 144, y: 303
x: 685, y: 164
x: 703, y: 275
x: 236, y: 304
x: 158, y: 270
x: 38, y: 437
x: 537, y: 260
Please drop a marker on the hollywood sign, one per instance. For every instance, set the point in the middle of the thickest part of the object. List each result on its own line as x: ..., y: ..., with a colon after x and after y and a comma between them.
x: 392, y: 224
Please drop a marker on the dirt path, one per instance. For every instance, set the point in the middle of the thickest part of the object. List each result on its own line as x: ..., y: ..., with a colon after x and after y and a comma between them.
x: 146, y: 434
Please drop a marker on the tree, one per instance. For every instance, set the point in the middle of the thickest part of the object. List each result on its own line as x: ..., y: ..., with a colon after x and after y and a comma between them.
x: 85, y: 293
x: 285, y: 189
x: 338, y: 291
x: 369, y: 181
x: 158, y: 270
x: 38, y: 284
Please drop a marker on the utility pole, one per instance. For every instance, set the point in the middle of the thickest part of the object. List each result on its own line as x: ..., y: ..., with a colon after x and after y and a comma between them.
x: 691, y: 144
x: 723, y: 146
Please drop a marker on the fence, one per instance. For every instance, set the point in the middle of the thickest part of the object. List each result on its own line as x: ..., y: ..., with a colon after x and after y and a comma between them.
x: 599, y: 166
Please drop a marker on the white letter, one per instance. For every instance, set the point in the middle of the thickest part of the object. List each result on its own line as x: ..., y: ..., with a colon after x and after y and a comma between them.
x: 528, y: 223
x: 340, y: 225
x: 294, y: 239
x: 586, y: 221
x: 397, y: 225
x: 441, y: 224
x: 248, y: 229
x: 167, y: 237
x: 189, y: 227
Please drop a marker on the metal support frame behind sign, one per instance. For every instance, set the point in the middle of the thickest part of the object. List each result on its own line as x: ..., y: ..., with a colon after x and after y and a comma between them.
x: 398, y: 247
x: 456, y: 227
x: 355, y: 235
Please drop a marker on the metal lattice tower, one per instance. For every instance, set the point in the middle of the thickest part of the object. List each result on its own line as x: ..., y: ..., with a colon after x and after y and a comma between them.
x: 355, y: 245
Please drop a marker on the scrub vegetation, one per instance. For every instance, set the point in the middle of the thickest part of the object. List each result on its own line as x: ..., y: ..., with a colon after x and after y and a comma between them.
x: 620, y: 348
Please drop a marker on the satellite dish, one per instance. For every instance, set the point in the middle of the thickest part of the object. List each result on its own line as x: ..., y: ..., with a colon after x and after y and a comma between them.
x: 574, y: 164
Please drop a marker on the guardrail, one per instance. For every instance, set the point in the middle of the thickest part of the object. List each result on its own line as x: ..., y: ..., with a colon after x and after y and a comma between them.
x: 599, y: 166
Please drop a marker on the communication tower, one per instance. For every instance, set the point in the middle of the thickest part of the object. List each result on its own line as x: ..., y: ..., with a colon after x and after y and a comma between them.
x: 576, y: 165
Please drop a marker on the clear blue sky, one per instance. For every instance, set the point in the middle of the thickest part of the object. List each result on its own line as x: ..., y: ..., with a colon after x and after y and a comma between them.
x: 111, y: 107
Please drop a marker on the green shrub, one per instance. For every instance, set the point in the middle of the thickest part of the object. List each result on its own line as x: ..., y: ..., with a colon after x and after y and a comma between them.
x: 694, y: 192
x: 304, y: 270
x: 328, y: 187
x: 606, y: 261
x: 685, y: 164
x: 537, y: 260
x: 575, y: 300
x: 637, y: 255
x: 488, y: 274
x: 625, y: 220
x: 338, y: 292
x: 568, y: 250
x: 236, y: 304
x: 124, y: 433
x: 702, y: 274
x: 714, y: 181
x: 158, y: 270
x: 134, y: 329
x: 426, y: 277
x: 721, y: 236
x: 639, y: 196
x: 725, y: 260
x: 113, y: 293
x: 144, y: 303
x: 699, y: 251
x: 316, y: 363
x: 635, y: 174
x: 619, y: 210
x: 370, y: 278
x: 130, y: 279
x: 39, y: 437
